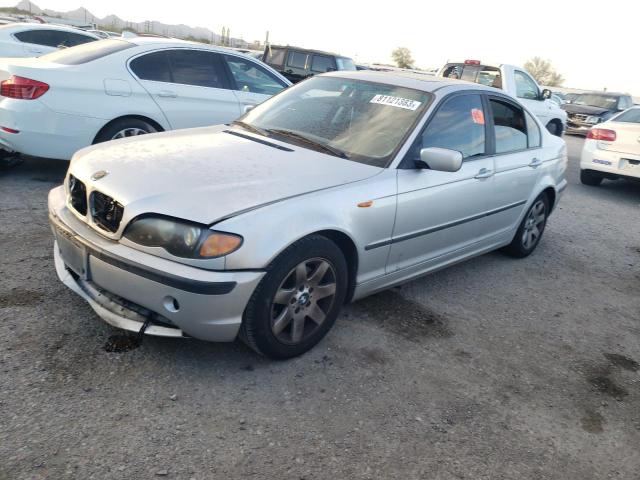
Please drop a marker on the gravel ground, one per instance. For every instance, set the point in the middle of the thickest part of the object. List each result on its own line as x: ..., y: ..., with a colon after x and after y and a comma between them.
x: 493, y: 369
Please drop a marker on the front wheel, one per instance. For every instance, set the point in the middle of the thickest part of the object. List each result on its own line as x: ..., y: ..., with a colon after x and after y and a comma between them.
x: 298, y: 300
x: 531, y: 229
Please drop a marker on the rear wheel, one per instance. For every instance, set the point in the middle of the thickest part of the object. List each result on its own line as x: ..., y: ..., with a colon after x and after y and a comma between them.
x: 531, y: 229
x: 591, y: 178
x: 124, y: 128
x: 298, y: 300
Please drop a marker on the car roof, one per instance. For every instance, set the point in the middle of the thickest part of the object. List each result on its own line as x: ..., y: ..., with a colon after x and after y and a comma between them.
x: 176, y: 42
x: 309, y: 50
x: 44, y: 26
x: 416, y: 81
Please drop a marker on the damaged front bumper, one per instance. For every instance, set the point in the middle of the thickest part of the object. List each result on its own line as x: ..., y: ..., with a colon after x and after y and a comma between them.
x: 127, y: 288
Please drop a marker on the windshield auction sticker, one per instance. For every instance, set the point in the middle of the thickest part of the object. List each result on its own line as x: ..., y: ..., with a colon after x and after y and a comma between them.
x: 396, y: 102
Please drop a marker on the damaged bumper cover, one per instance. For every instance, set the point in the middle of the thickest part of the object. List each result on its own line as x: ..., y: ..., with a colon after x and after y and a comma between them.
x: 126, y: 287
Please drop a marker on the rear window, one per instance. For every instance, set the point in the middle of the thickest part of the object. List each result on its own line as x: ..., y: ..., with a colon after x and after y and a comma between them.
x: 87, y: 53
x: 345, y: 63
x: 275, y: 56
x: 630, y: 116
x: 489, y: 76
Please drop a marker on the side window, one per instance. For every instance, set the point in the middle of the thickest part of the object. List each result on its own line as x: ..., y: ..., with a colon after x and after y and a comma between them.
x: 251, y: 77
x: 197, y: 68
x: 152, y: 66
x: 624, y: 103
x: 525, y: 86
x: 533, y: 132
x: 275, y: 56
x: 47, y: 38
x: 297, y: 59
x: 322, y: 63
x: 509, y: 125
x: 74, y: 39
x: 458, y: 125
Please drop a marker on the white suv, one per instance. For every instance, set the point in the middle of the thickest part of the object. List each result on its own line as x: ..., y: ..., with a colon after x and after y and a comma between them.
x: 54, y: 105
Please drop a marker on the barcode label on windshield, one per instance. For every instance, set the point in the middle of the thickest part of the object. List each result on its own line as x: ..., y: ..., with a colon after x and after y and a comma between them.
x: 396, y: 102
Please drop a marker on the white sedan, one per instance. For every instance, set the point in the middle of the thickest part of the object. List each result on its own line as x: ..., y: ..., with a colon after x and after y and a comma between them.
x: 54, y: 105
x: 36, y: 39
x: 612, y: 149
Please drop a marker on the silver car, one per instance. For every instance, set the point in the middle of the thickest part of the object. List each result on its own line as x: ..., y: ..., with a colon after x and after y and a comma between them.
x: 341, y: 186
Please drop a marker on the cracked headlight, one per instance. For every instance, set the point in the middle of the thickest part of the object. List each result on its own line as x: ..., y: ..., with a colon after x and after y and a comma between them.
x: 593, y: 119
x: 181, y: 238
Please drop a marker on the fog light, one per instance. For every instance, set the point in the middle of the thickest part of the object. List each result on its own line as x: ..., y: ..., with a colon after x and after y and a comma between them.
x: 171, y: 304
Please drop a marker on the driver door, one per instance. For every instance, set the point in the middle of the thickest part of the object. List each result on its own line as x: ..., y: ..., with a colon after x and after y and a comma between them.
x: 441, y: 215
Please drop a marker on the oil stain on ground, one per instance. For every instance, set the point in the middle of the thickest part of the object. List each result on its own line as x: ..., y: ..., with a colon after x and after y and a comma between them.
x: 394, y: 313
x: 121, y: 343
x: 373, y: 356
x: 600, y: 379
x: 592, y: 422
x: 622, y: 361
x: 20, y: 297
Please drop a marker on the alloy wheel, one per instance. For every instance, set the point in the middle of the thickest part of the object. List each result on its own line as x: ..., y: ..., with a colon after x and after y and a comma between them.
x: 534, y: 224
x: 129, y: 132
x: 301, y: 303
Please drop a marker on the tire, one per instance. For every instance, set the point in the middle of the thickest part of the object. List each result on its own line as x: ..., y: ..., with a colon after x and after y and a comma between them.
x: 591, y: 178
x: 271, y: 323
x: 123, y: 128
x: 531, y: 228
x: 554, y: 128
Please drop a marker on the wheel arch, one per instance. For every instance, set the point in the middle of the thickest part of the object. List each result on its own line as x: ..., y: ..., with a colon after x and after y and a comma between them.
x: 158, y: 126
x: 350, y: 252
x: 558, y: 122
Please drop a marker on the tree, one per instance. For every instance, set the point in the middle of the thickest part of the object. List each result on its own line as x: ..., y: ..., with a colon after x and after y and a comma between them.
x: 402, y: 57
x: 543, y: 72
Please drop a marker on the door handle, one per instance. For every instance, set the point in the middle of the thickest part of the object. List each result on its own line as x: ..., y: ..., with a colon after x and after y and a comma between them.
x: 484, y: 173
x: 535, y: 163
x: 167, y: 94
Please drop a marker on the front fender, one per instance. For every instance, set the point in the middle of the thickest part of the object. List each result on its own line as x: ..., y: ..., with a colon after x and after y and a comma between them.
x: 269, y: 230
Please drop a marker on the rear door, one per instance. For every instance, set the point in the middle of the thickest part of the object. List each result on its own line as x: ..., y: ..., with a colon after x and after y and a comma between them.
x: 190, y: 86
x: 252, y: 84
x: 441, y: 214
x: 515, y: 140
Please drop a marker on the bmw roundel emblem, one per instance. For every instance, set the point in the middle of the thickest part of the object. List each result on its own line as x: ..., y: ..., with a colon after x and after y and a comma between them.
x: 99, y: 174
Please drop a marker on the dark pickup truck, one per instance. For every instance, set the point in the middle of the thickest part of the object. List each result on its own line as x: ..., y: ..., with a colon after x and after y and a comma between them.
x: 589, y: 109
x: 299, y: 63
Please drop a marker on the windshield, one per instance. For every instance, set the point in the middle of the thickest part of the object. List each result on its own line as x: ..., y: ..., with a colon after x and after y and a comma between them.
x: 629, y: 116
x: 87, y: 52
x: 345, y: 63
x: 361, y: 121
x: 600, y: 101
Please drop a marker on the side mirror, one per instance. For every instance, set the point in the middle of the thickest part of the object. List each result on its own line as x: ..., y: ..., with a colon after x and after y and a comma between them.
x: 440, y: 159
x: 546, y: 94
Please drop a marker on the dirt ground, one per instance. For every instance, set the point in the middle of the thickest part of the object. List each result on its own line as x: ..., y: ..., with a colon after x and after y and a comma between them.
x: 493, y: 369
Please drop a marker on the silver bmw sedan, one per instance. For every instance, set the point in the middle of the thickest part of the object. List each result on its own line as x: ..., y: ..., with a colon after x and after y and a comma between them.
x: 339, y: 187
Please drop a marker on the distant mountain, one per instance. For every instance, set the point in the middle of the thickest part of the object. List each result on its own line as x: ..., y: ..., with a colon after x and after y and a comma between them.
x: 113, y: 22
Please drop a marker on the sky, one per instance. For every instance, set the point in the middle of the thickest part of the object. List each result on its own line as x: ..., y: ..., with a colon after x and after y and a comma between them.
x: 594, y: 45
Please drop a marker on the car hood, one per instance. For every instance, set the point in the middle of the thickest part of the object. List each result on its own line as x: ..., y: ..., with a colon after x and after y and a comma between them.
x: 584, y: 109
x: 207, y: 174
